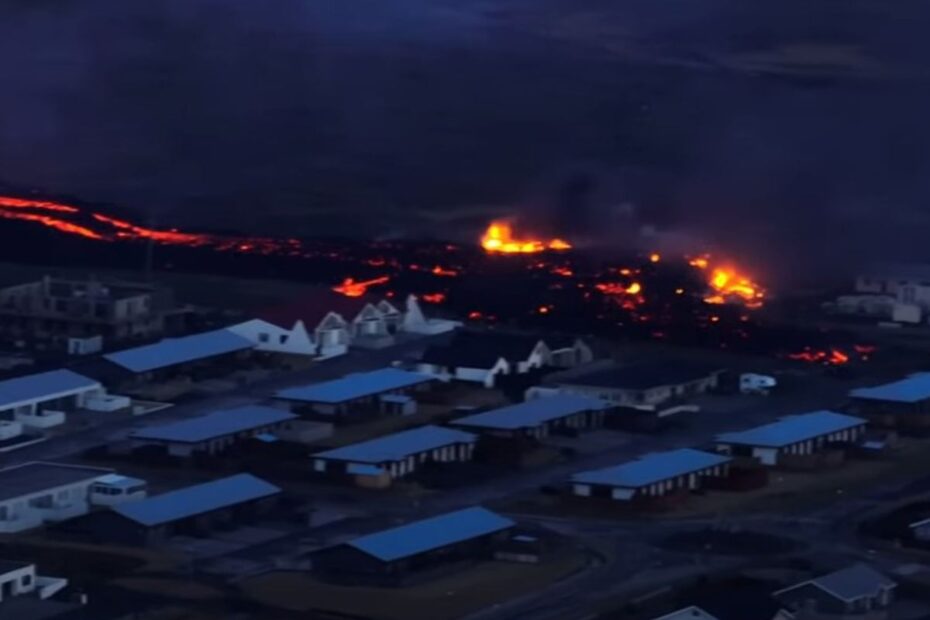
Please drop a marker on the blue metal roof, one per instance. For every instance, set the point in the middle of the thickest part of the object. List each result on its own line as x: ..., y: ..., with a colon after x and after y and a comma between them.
x: 172, y: 351
x: 850, y: 583
x: 533, y: 412
x: 793, y: 429
x: 356, y: 385
x: 433, y: 533
x: 197, y: 499
x: 399, y: 446
x: 911, y: 390
x: 652, y: 468
x: 216, y: 424
x: 43, y: 385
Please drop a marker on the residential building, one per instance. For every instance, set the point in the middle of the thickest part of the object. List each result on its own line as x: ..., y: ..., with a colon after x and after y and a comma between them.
x: 568, y: 351
x: 651, y: 477
x: 378, y: 462
x: 856, y: 592
x: 415, y: 322
x: 35, y: 493
x: 113, y: 489
x: 793, y: 439
x: 272, y: 338
x: 215, y: 432
x: 646, y: 384
x: 43, y: 400
x: 192, y: 511
x: 334, y: 322
x: 903, y: 404
x: 21, y: 579
x: 54, y: 310
x: 212, y: 353
x: 484, y: 356
x: 538, y: 418
x: 357, y: 394
x: 394, y: 556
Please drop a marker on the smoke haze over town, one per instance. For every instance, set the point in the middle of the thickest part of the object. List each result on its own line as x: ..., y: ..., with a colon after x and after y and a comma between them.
x: 743, y: 128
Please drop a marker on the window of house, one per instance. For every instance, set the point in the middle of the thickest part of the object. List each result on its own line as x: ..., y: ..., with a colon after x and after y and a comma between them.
x: 26, y: 580
x: 282, y: 339
x: 264, y: 337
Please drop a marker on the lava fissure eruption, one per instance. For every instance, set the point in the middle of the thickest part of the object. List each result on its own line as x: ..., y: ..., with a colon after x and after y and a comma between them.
x: 499, y: 239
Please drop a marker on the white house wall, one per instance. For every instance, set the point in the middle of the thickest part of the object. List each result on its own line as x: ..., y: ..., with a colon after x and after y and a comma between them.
x: 268, y: 337
x: 22, y: 513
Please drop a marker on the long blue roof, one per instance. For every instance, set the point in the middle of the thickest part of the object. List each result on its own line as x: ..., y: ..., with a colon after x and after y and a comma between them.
x: 216, y: 424
x: 398, y: 446
x: 197, y: 499
x: 532, y: 412
x: 356, y: 385
x: 43, y: 384
x: 172, y: 351
x: 652, y: 468
x: 433, y: 533
x: 793, y: 429
x: 910, y: 390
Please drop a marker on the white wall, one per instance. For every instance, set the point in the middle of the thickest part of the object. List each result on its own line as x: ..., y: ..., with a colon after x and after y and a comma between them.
x: 21, y: 513
x: 272, y: 338
x: 23, y: 580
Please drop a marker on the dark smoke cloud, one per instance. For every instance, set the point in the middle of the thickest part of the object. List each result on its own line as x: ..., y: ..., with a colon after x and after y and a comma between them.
x: 784, y: 130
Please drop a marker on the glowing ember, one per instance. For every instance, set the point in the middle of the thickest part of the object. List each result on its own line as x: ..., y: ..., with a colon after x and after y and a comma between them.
x: 499, y: 238
x: 433, y: 298
x: 655, y: 258
x: 351, y: 288
x: 446, y: 273
x: 832, y: 357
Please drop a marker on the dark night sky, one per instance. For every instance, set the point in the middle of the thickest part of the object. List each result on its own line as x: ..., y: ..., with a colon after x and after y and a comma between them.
x: 779, y: 126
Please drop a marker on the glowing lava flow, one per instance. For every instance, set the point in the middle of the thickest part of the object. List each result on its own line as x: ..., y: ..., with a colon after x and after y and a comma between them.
x: 498, y: 238
x: 351, y: 288
x: 163, y: 236
x: 9, y: 202
x: 54, y: 222
x: 727, y: 284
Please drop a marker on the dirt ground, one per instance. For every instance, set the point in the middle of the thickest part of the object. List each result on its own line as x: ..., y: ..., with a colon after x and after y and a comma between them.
x: 449, y: 597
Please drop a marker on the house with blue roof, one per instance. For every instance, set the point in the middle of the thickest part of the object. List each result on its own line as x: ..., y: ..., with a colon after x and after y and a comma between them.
x: 539, y: 417
x: 360, y: 393
x: 396, y: 555
x: 191, y: 511
x: 378, y: 462
x: 856, y: 591
x: 215, y: 432
x: 651, y: 478
x: 903, y: 404
x: 794, y: 439
x: 43, y: 400
x: 207, y: 354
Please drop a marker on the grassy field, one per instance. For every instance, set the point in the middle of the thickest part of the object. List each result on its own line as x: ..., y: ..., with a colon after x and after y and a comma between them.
x: 448, y: 597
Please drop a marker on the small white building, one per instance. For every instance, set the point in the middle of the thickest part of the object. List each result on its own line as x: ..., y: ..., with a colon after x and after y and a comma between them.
x: 20, y: 579
x: 272, y: 338
x: 42, y: 400
x: 797, y: 435
x: 114, y: 489
x: 35, y: 493
x: 483, y: 357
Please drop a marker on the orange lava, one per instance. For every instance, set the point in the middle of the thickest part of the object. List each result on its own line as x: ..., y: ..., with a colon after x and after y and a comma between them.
x: 499, y: 239
x: 45, y: 205
x: 53, y: 222
x: 433, y: 298
x: 351, y: 288
x: 727, y: 284
x: 446, y: 273
x: 163, y: 236
x: 833, y: 357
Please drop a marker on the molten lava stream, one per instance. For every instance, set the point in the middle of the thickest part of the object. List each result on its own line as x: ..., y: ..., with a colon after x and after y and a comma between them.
x: 351, y: 288
x: 499, y: 238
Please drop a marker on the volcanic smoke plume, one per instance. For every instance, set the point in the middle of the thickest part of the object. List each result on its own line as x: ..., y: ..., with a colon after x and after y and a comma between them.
x: 787, y: 131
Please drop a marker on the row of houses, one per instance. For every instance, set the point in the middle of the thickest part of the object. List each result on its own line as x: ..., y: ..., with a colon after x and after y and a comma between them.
x: 856, y: 591
x: 656, y: 479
